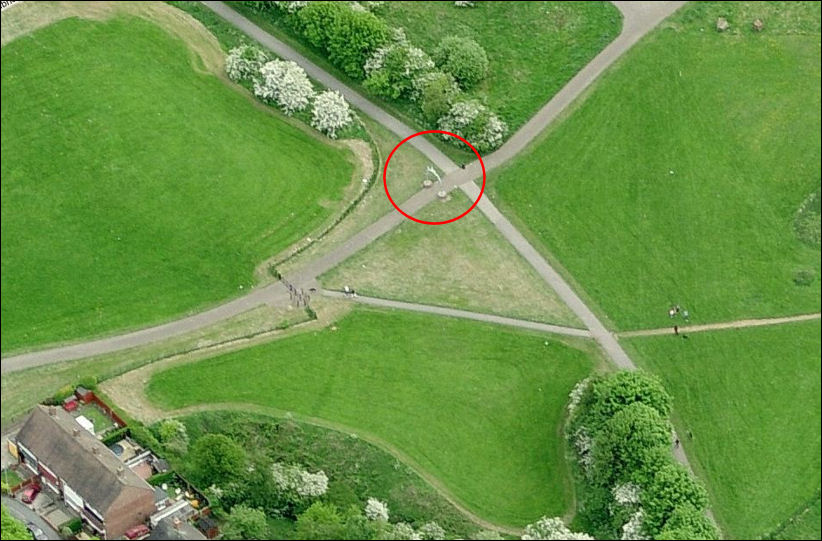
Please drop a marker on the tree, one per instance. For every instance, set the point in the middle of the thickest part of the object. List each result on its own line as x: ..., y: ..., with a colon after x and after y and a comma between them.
x: 376, y: 510
x: 473, y: 121
x: 463, y: 58
x: 245, y: 523
x: 611, y: 394
x: 672, y: 488
x: 435, y: 92
x: 431, y: 530
x: 285, y: 83
x: 216, y: 459
x: 688, y: 522
x: 401, y: 530
x: 551, y: 528
x: 243, y: 63
x: 12, y: 528
x: 393, y: 69
x: 331, y: 113
x: 320, y: 521
x: 173, y: 435
x: 630, y: 445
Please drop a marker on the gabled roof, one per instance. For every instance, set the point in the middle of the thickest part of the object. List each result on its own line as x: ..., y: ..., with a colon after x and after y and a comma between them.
x: 86, y: 465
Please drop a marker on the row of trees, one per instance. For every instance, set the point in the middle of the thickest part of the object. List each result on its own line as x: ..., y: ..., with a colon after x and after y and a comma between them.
x: 286, y: 85
x: 620, y: 431
x: 366, y: 48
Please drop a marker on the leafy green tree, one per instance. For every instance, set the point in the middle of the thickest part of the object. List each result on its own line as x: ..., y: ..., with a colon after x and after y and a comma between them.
x: 173, y: 435
x: 611, y: 394
x: 11, y: 528
x: 437, y: 93
x: 668, y: 497
x: 688, y: 522
x: 216, y: 459
x: 463, y: 58
x: 316, y: 21
x: 631, y: 444
x: 245, y: 523
x: 353, y: 38
x: 320, y: 521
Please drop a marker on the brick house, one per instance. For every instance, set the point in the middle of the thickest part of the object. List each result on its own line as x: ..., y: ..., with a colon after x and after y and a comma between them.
x: 85, y: 473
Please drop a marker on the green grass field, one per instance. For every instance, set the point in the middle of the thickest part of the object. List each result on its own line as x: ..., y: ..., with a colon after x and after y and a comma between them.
x: 392, y: 375
x: 751, y: 398
x: 136, y: 186
x: 679, y: 177
x: 466, y: 264
x: 533, y: 48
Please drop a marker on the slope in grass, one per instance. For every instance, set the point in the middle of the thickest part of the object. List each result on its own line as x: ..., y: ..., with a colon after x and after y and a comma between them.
x: 751, y: 399
x: 678, y: 179
x: 475, y: 405
x: 466, y: 264
x: 137, y: 187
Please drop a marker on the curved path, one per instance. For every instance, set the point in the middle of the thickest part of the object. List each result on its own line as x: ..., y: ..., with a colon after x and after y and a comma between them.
x: 638, y: 19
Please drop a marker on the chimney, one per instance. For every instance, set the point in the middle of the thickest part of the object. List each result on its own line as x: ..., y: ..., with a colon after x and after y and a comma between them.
x: 95, y: 450
x: 176, y: 523
x: 53, y: 411
x: 120, y: 472
x: 75, y: 432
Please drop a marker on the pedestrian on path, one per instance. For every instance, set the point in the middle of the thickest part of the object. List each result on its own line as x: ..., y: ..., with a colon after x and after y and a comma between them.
x: 676, y: 330
x: 676, y: 444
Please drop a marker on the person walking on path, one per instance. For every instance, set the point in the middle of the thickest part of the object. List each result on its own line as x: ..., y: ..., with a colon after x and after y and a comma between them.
x: 676, y: 330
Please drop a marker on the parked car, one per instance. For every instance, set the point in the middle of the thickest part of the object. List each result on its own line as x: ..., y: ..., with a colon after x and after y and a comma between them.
x: 30, y: 493
x: 136, y: 532
x: 36, y: 532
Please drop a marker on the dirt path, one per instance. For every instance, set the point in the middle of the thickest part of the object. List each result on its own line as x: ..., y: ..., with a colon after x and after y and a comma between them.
x: 739, y: 324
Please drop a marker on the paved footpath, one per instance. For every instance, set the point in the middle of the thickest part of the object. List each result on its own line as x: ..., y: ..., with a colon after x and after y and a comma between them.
x: 462, y: 314
x: 739, y: 324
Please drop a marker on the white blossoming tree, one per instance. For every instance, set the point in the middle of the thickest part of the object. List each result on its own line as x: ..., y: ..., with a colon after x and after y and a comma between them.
x: 576, y: 394
x: 476, y: 123
x: 626, y: 494
x: 291, y: 7
x: 431, y: 530
x: 285, y: 83
x: 551, y: 528
x: 633, y: 528
x: 243, y: 63
x: 402, y: 530
x: 292, y: 479
x: 331, y: 113
x: 376, y: 510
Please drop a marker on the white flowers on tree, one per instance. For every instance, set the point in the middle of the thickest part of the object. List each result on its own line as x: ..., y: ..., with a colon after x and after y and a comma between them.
x: 290, y: 478
x: 476, y: 123
x: 285, y: 83
x: 331, y: 113
x: 584, y: 443
x: 431, y: 530
x: 551, y: 528
x: 244, y: 62
x: 291, y: 7
x: 575, y: 396
x: 402, y: 530
x: 633, y: 528
x: 376, y: 510
x: 626, y: 494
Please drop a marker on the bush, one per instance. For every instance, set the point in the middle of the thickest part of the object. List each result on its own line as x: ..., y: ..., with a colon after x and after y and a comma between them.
x: 74, y: 525
x: 159, y: 478
x: 331, y: 113
x: 393, y: 70
x: 349, y: 37
x: 114, y: 436
x: 144, y: 437
x: 463, y: 58
x: 285, y: 83
x: 216, y: 459
x: 473, y: 121
x: 243, y: 63
x: 669, y: 494
x: 62, y: 393
x: 435, y: 93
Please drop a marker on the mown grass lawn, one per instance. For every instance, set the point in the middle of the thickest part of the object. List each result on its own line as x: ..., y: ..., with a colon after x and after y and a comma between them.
x: 678, y: 179
x: 466, y: 264
x: 477, y: 406
x: 751, y: 398
x: 136, y: 186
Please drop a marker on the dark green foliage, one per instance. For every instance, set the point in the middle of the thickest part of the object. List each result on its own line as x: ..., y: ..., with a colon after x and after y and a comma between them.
x: 160, y: 478
x: 394, y: 80
x: 216, y: 459
x: 142, y: 435
x: 672, y: 487
x: 74, y: 525
x: 114, y: 436
x: 348, y: 37
x: 630, y: 444
x: 245, y: 523
x: 463, y: 58
x: 610, y: 395
x: 320, y: 521
x: 688, y: 522
x: 436, y: 96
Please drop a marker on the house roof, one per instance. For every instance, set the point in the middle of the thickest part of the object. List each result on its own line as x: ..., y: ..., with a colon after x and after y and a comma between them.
x: 86, y: 465
x: 166, y: 529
